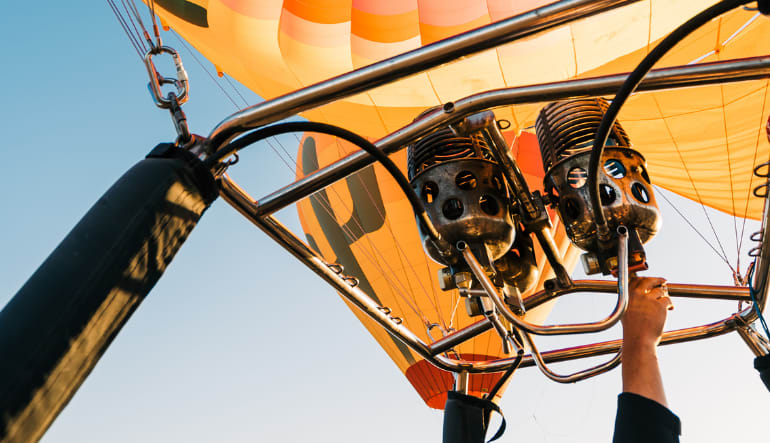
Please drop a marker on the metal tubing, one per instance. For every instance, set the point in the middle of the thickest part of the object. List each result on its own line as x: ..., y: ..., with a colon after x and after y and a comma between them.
x: 668, y: 78
x: 455, y: 338
x: 751, y: 339
x: 707, y: 292
x: 248, y: 207
x: 412, y: 62
x: 484, y: 123
x: 579, y: 328
x: 569, y: 378
x: 491, y: 315
x: 677, y: 336
x: 461, y: 382
x: 237, y: 198
x: 511, y: 169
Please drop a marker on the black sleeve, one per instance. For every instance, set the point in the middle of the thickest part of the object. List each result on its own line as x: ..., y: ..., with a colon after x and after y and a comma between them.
x: 641, y: 420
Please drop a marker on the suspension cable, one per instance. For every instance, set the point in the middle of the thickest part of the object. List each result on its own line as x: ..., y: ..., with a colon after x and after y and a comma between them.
x: 135, y: 42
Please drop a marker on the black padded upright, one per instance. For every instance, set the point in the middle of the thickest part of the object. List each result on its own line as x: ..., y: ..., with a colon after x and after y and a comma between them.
x: 466, y: 419
x: 57, y: 326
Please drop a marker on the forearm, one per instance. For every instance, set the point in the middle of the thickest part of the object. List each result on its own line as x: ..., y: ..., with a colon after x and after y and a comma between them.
x: 641, y: 374
x: 643, y: 414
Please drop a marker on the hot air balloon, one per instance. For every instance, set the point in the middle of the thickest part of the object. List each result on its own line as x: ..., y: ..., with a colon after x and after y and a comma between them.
x: 360, y: 222
x: 361, y: 228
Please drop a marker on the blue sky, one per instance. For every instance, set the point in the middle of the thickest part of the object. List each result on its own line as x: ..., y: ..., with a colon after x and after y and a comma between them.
x: 239, y: 342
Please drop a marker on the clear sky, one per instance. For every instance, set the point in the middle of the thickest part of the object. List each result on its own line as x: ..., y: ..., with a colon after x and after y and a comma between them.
x: 238, y: 342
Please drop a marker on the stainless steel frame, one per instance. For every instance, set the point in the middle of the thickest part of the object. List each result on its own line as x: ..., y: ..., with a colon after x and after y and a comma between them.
x: 260, y: 211
x: 523, y: 325
x: 669, y: 78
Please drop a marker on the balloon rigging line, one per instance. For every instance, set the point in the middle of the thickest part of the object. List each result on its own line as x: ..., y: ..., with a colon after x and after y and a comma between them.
x: 227, y: 79
x: 376, y: 110
x: 348, y: 232
x: 372, y: 257
x: 133, y: 10
x: 754, y: 160
x: 730, y: 177
x: 454, y: 311
x: 281, y: 128
x: 662, y: 194
x: 399, y: 288
x: 728, y: 40
x: 122, y: 20
x: 739, y: 30
x: 154, y: 23
x: 649, y: 27
x: 692, y: 183
x: 352, y: 237
x: 203, y: 67
x: 134, y: 17
x: 402, y: 256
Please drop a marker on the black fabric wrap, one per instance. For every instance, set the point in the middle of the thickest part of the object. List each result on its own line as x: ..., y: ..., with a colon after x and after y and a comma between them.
x: 641, y: 420
x: 762, y: 364
x: 199, y: 173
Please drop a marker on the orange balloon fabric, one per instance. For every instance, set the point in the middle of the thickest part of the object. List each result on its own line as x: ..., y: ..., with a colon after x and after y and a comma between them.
x: 699, y: 139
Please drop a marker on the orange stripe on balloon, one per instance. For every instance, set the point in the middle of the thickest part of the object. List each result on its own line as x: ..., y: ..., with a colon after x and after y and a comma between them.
x: 263, y: 9
x: 312, y: 33
x: 385, y: 28
x: 528, y: 156
x: 320, y: 11
x: 389, y: 7
x: 451, y: 13
x: 430, y: 33
x: 433, y: 383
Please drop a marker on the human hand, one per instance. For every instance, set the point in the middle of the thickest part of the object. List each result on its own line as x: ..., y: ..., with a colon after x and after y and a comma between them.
x: 645, y: 316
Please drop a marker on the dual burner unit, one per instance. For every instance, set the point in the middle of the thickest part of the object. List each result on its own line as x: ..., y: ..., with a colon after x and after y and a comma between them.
x: 463, y: 186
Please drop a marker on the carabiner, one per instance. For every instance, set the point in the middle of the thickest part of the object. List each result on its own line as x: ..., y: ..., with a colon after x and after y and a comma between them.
x: 156, y: 80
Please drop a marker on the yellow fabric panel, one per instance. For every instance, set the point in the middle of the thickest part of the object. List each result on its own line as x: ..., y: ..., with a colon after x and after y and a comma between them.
x: 417, y: 92
x: 467, y: 76
x: 707, y: 138
x: 612, y: 34
x: 543, y: 58
x: 693, y: 142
